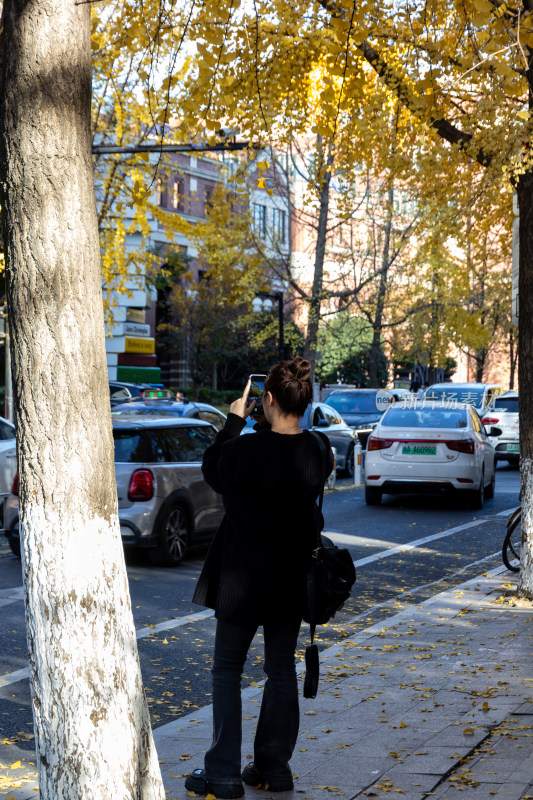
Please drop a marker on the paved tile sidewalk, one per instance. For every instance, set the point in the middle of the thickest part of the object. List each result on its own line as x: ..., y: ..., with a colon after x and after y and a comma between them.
x: 436, y: 701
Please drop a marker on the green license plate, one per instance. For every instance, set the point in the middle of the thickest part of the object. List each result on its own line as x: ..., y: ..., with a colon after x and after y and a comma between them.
x: 419, y: 450
x: 513, y: 447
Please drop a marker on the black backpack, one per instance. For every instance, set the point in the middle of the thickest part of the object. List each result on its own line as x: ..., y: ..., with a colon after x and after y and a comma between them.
x: 330, y: 578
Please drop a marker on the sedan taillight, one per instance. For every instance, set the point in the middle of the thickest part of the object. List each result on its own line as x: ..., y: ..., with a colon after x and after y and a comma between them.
x: 490, y: 420
x: 462, y: 446
x: 15, y: 487
x: 141, y: 485
x: 375, y: 443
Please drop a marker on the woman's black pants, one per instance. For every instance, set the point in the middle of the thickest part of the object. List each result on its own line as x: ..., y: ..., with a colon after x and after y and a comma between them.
x: 277, y: 727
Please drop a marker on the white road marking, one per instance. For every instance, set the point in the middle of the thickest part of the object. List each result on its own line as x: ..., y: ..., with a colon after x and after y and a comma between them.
x: 142, y: 633
x: 177, y: 622
x: 13, y: 677
x: 405, y: 548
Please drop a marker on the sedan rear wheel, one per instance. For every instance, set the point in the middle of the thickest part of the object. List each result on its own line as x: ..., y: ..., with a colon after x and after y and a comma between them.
x: 491, y: 488
x: 477, y: 496
x: 372, y: 496
x: 173, y: 538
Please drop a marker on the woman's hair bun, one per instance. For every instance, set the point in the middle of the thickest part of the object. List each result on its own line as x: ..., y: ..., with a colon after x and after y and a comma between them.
x: 300, y: 368
x: 290, y: 383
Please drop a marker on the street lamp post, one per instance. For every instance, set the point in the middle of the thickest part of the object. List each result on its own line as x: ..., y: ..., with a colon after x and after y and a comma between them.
x: 259, y: 307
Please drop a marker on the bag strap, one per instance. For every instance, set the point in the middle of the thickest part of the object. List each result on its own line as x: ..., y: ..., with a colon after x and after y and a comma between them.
x: 311, y: 593
x: 324, y: 455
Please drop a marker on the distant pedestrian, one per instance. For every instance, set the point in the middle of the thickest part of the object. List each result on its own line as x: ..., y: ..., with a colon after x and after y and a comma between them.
x: 254, y: 574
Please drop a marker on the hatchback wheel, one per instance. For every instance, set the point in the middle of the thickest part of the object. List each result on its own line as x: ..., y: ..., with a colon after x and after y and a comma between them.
x: 477, y: 496
x: 14, y: 542
x: 173, y: 531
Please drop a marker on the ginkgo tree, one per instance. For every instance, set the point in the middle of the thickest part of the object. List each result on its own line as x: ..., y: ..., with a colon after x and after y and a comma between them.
x: 208, y: 306
x: 463, y: 71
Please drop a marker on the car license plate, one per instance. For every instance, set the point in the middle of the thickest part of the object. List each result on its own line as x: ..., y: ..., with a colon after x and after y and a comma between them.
x: 514, y: 447
x: 419, y: 450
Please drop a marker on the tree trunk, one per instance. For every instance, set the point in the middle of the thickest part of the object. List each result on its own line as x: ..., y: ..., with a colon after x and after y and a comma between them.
x: 524, y: 192
x: 525, y: 377
x: 320, y: 252
x: 92, y: 726
x: 375, y: 348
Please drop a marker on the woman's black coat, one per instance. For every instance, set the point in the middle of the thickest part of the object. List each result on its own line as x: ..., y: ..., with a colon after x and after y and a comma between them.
x: 255, y: 569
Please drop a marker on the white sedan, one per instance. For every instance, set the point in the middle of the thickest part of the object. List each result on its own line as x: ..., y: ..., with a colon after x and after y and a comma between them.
x: 421, y: 447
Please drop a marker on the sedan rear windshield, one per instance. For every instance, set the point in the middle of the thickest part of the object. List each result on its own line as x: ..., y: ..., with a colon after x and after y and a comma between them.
x: 425, y: 418
x: 507, y: 404
x: 465, y: 395
x: 356, y: 403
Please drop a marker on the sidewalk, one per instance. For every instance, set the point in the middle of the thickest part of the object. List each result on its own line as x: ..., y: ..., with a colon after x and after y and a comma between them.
x: 435, y: 702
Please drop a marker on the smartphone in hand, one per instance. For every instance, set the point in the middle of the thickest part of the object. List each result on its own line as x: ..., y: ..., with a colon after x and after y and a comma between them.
x: 257, y: 387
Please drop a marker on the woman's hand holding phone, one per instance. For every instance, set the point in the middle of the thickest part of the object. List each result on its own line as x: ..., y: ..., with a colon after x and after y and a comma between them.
x: 240, y: 406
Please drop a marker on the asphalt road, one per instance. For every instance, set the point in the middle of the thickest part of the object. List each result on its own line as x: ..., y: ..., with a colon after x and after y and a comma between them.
x: 405, y: 550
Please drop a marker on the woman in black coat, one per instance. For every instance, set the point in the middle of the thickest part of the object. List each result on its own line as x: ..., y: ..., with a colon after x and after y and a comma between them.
x: 254, y: 574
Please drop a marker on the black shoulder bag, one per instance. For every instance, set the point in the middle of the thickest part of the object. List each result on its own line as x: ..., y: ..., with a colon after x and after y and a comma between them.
x: 330, y: 578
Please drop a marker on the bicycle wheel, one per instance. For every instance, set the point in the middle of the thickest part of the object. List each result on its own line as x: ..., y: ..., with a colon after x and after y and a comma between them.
x: 511, y: 545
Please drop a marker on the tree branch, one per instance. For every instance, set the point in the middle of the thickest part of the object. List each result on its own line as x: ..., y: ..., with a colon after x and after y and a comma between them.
x: 395, y: 83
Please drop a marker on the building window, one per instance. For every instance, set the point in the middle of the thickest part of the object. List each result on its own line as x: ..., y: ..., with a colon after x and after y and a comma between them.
x: 178, y: 195
x: 162, y: 194
x: 260, y: 220
x: 208, y: 199
x: 280, y: 226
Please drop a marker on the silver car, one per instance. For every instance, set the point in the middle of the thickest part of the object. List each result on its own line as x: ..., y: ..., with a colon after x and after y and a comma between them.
x: 164, y: 504
x: 504, y: 415
x: 479, y: 395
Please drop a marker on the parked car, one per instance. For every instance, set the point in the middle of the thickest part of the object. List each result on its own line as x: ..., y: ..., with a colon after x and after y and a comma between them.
x: 359, y: 409
x: 479, y: 395
x: 430, y: 448
x: 322, y: 417
x: 8, y: 462
x: 341, y: 436
x: 161, y: 407
x: 504, y: 415
x: 164, y: 504
x: 121, y: 392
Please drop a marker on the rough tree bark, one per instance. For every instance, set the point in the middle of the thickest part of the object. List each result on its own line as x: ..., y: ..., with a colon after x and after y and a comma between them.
x: 525, y: 377
x: 524, y: 191
x: 92, y: 727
